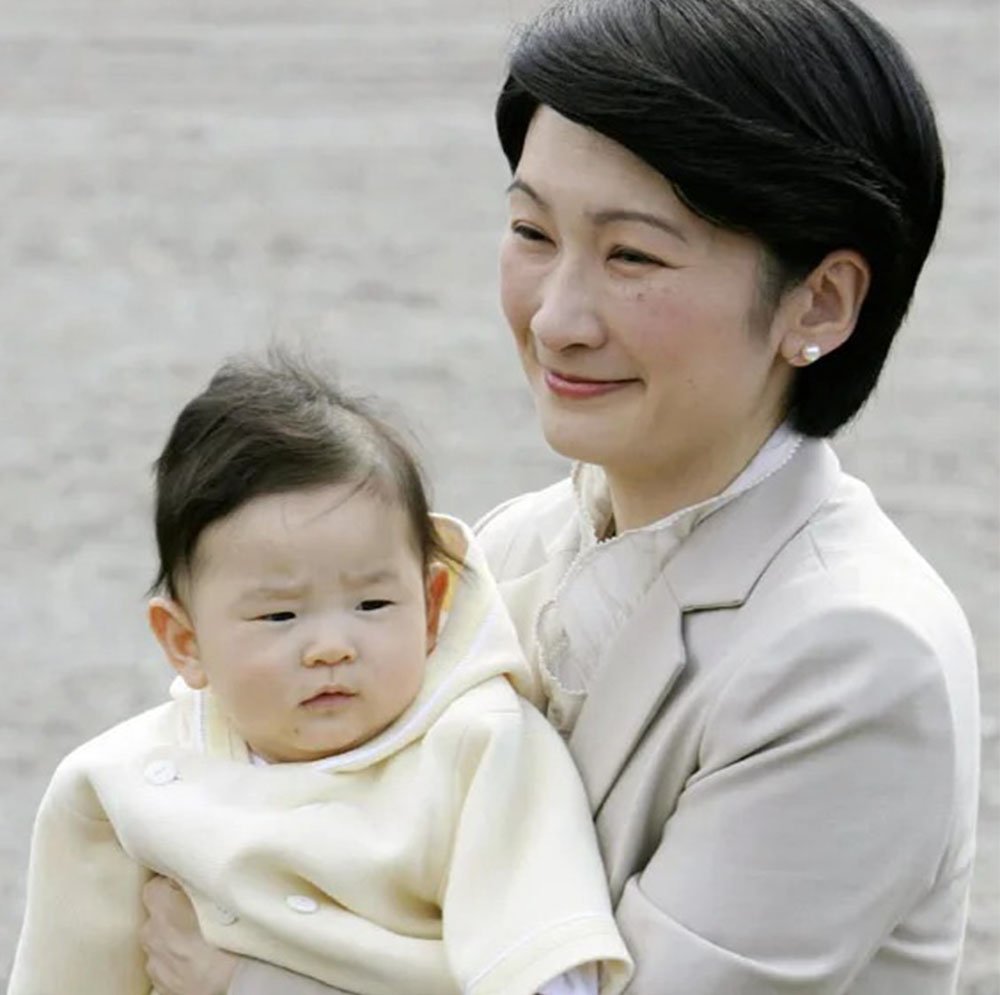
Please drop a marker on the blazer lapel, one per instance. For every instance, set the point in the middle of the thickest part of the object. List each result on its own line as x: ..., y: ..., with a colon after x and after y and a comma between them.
x: 637, y: 672
x: 717, y: 566
x: 724, y: 557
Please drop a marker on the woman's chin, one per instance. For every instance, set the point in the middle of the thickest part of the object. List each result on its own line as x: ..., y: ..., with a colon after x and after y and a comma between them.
x: 598, y: 430
x: 577, y: 444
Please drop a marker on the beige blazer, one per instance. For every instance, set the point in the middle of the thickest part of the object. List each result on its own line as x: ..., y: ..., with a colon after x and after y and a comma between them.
x: 781, y: 750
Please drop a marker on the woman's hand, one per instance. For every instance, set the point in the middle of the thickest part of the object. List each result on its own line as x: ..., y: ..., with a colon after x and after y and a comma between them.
x: 178, y: 960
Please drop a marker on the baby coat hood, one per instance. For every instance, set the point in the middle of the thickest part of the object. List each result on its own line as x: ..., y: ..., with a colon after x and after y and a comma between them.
x: 476, y: 642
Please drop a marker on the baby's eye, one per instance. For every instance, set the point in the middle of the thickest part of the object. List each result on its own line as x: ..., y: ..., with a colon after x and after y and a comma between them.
x: 276, y: 617
x: 373, y: 604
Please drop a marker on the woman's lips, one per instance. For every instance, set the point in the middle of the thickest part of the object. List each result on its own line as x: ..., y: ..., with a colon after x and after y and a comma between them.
x: 580, y: 388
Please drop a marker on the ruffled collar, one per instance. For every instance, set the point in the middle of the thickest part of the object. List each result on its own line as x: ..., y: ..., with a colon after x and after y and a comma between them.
x: 608, y: 577
x: 593, y: 497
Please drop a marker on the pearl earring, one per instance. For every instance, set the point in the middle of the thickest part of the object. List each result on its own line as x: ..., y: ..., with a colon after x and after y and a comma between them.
x: 811, y: 352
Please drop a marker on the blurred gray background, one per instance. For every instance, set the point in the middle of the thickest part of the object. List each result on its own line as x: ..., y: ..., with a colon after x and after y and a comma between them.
x: 181, y: 180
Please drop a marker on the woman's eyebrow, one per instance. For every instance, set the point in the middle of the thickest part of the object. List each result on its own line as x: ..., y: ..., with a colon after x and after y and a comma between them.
x: 606, y: 216
x: 518, y: 184
x: 621, y: 214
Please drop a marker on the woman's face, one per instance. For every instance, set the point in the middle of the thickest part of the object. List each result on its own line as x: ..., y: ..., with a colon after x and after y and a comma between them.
x: 640, y: 325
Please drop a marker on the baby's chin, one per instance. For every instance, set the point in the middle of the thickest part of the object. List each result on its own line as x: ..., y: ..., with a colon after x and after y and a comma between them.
x: 299, y: 755
x: 317, y: 747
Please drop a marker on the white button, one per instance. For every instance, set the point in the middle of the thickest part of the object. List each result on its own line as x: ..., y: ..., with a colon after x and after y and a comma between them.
x: 302, y: 903
x: 160, y: 772
x: 226, y: 916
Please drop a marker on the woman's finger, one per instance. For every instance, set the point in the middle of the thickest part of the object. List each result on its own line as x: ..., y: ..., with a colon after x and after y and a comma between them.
x: 178, y: 960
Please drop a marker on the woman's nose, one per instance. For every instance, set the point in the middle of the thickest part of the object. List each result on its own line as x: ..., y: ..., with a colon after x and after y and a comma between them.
x: 566, y: 315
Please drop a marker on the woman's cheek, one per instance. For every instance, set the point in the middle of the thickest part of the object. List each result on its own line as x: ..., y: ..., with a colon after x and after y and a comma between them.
x: 655, y: 322
x: 515, y: 285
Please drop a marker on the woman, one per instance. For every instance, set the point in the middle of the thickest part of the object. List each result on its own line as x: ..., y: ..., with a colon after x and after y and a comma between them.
x: 718, y: 213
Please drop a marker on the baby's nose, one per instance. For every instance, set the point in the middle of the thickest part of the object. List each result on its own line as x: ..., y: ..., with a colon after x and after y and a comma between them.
x: 329, y: 650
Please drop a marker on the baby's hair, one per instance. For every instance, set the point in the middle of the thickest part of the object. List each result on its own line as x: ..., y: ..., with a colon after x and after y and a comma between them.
x: 269, y: 426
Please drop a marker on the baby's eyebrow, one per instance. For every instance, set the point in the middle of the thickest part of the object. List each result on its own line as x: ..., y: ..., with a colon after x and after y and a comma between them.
x: 355, y: 579
x: 272, y: 590
x: 366, y: 578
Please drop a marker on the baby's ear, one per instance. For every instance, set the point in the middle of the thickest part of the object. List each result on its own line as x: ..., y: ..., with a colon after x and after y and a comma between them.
x: 437, y: 591
x: 175, y: 633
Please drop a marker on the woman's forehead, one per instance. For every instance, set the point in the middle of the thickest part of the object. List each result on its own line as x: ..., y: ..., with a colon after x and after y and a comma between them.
x: 561, y: 158
x: 566, y: 167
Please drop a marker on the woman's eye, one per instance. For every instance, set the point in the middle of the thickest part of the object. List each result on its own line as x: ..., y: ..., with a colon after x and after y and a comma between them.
x: 373, y: 604
x: 276, y: 617
x: 528, y: 233
x: 634, y: 258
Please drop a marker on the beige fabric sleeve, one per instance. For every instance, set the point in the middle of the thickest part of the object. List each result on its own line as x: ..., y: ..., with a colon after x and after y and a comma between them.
x: 525, y: 897
x: 819, y: 816
x: 80, y: 884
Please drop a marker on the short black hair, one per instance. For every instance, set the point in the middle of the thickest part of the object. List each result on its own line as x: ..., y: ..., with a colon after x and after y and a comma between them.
x: 799, y: 122
x: 269, y: 426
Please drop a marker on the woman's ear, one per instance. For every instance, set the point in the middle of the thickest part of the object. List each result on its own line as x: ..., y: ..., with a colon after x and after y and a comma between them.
x: 822, y: 311
x: 436, y: 594
x: 174, y: 632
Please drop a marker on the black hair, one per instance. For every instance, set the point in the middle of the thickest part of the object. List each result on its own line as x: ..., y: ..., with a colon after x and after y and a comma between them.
x: 271, y: 426
x: 799, y: 122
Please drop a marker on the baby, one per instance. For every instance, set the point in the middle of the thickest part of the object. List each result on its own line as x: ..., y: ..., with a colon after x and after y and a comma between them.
x: 345, y: 782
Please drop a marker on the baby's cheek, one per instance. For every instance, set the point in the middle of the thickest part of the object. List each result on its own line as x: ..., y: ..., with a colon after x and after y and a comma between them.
x: 255, y: 691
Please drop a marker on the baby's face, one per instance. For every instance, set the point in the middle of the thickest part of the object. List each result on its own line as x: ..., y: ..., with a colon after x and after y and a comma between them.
x: 312, y: 618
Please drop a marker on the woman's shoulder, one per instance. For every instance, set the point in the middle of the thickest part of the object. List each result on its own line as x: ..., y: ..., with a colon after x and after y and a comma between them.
x: 850, y: 578
x: 860, y: 554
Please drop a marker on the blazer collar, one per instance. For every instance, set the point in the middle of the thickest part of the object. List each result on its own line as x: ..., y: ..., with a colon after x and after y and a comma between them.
x: 721, y: 561
x: 715, y: 567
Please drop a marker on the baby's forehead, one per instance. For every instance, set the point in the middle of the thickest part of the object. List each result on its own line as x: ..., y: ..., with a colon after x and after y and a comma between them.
x: 328, y: 531
x: 345, y: 514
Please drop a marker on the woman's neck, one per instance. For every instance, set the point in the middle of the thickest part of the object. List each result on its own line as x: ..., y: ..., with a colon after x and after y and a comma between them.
x: 657, y: 490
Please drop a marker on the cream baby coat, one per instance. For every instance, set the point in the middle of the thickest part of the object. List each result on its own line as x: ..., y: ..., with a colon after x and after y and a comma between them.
x: 454, y: 852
